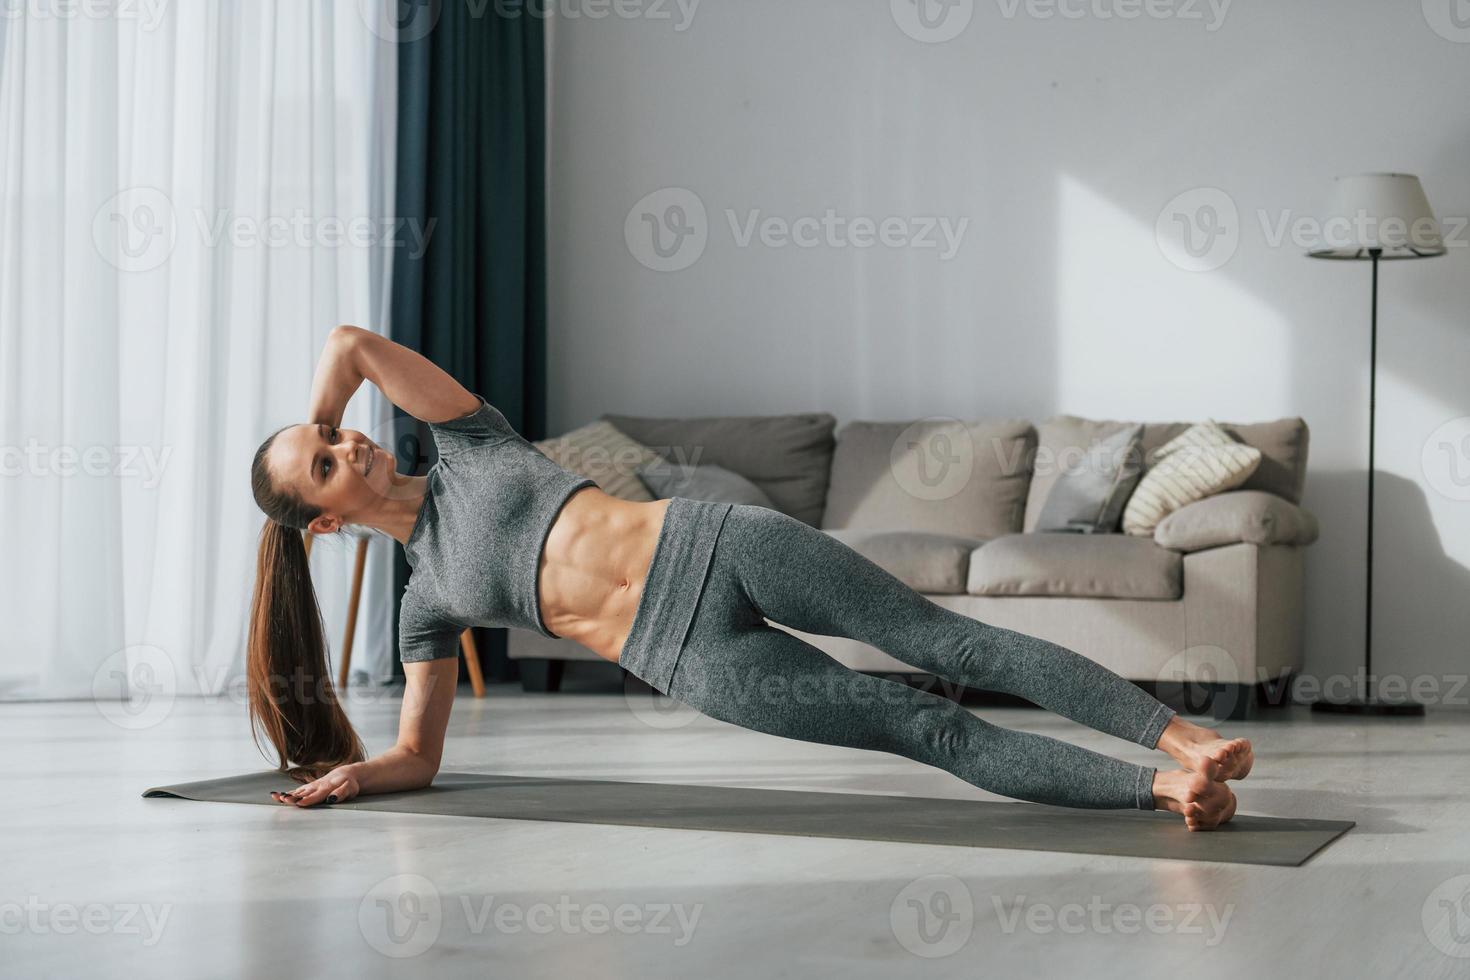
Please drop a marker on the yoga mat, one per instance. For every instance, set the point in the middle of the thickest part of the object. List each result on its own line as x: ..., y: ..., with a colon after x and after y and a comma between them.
x: 799, y: 813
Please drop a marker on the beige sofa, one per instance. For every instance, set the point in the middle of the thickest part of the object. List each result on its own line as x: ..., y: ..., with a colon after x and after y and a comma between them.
x: 1207, y: 612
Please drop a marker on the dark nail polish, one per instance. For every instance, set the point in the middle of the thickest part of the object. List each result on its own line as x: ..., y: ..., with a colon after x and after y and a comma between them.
x: 332, y: 798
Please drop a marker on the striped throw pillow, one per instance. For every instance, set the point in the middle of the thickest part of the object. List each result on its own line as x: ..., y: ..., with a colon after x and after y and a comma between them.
x: 604, y: 453
x: 1200, y: 461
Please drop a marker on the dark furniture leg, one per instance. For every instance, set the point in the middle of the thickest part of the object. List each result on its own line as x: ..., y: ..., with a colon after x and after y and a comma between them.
x: 1234, y: 702
x: 541, y: 676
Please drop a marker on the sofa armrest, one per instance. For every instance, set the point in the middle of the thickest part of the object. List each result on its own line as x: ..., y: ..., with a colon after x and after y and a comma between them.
x: 1233, y: 517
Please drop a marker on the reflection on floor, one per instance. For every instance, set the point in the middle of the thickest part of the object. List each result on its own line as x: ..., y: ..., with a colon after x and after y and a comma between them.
x: 98, y: 880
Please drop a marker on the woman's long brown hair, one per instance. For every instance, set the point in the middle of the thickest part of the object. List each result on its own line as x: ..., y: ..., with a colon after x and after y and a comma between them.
x: 291, y: 695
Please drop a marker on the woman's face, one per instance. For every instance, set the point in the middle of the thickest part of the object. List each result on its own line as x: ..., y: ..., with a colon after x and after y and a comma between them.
x: 341, y: 471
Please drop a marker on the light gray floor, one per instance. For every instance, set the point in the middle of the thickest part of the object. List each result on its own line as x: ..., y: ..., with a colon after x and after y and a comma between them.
x: 98, y: 881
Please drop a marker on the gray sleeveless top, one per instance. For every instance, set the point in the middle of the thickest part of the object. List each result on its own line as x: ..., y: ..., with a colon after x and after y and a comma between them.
x: 476, y: 545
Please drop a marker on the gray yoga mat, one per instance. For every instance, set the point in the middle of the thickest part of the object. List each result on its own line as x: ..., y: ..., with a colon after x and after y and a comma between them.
x: 799, y: 813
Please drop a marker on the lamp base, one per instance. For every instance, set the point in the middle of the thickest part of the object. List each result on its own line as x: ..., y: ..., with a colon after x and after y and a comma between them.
x: 1371, y: 707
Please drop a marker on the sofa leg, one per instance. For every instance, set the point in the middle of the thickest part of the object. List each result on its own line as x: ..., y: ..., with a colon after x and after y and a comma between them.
x: 1234, y: 702
x: 541, y: 676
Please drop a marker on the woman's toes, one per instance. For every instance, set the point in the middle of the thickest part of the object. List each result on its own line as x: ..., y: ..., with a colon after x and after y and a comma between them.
x: 1206, y: 803
x: 1232, y: 758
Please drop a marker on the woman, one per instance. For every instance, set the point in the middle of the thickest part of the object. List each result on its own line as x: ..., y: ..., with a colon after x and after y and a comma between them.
x: 677, y: 591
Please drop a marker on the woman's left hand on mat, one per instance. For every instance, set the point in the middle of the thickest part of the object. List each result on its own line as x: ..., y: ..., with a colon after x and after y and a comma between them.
x: 337, y: 786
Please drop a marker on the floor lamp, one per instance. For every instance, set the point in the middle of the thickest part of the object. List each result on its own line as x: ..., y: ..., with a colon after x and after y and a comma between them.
x: 1376, y: 217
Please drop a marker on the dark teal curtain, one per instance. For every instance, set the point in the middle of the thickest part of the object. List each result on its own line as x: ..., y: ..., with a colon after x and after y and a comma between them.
x: 471, y: 137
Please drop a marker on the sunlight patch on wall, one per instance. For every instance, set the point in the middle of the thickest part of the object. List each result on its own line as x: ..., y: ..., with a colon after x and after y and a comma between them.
x: 1138, y: 337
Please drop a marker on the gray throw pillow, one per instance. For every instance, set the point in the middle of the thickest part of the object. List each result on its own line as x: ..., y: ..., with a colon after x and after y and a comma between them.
x: 703, y: 482
x: 1090, y: 492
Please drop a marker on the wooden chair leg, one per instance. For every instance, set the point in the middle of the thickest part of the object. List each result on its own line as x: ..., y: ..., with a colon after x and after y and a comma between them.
x: 472, y: 661
x: 352, y: 601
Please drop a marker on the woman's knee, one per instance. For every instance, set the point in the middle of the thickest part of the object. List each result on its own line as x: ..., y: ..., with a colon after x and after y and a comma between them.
x: 917, y: 725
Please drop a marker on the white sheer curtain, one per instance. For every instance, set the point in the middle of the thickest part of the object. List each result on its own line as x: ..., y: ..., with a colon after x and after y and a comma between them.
x: 191, y: 196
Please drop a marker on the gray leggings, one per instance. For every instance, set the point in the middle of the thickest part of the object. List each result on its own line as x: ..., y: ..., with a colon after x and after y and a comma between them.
x: 735, y: 667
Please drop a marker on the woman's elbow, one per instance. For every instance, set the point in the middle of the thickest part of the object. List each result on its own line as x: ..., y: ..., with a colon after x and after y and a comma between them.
x: 346, y: 335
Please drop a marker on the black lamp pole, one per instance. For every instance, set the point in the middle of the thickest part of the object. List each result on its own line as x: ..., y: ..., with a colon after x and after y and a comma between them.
x: 1368, y: 703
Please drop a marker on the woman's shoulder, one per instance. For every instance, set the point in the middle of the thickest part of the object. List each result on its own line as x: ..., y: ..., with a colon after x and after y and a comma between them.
x: 486, y: 425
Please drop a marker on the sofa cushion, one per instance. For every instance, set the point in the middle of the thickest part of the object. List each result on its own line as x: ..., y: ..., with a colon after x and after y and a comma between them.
x: 1090, y: 495
x: 1202, y: 461
x: 924, y: 561
x: 1282, y: 442
x: 787, y: 456
x: 1233, y: 517
x: 708, y: 482
x: 941, y: 475
x: 1112, y: 566
x: 605, y: 454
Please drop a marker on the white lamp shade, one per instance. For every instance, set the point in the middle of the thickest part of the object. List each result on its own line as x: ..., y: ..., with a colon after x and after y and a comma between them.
x: 1379, y: 211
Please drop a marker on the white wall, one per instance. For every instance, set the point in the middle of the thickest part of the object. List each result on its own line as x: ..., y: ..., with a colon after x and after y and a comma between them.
x: 1062, y: 140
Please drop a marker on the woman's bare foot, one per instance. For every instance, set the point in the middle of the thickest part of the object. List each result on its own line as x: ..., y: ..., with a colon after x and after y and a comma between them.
x: 1203, y: 750
x: 1203, y: 802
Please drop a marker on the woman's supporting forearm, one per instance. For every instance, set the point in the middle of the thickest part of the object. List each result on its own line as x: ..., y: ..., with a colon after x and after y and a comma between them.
x: 396, y: 769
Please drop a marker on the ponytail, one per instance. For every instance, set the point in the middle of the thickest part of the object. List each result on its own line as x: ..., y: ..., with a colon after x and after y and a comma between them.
x: 292, y: 699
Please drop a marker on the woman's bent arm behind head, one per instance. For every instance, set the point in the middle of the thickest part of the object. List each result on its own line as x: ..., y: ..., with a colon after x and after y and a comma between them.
x: 406, y: 378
